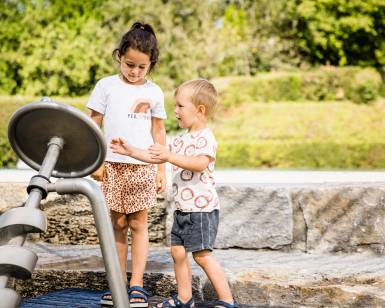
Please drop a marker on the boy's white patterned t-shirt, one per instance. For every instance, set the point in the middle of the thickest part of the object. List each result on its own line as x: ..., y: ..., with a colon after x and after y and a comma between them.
x: 195, y: 191
x: 128, y: 111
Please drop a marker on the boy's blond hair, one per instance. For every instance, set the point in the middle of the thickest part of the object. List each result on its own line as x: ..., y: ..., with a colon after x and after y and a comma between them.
x: 203, y: 93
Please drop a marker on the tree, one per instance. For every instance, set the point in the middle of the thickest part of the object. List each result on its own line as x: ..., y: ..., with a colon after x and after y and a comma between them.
x: 342, y: 32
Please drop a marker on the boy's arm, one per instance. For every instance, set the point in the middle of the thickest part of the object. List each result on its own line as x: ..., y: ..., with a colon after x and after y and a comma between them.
x: 120, y: 146
x: 193, y: 163
x: 144, y: 156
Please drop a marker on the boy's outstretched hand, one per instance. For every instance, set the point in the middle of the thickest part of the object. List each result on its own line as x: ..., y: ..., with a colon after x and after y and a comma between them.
x: 119, y: 145
x: 160, y: 152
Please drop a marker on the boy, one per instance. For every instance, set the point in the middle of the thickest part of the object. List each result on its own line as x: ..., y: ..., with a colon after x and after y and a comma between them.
x: 196, y: 218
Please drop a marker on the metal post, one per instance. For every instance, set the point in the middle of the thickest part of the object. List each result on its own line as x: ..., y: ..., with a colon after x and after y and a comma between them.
x: 104, y: 230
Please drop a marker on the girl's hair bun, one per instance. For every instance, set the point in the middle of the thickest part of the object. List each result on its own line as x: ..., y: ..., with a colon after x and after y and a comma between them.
x: 143, y: 26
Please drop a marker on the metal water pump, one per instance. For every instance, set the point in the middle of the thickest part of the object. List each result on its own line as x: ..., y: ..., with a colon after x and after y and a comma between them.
x: 58, y: 141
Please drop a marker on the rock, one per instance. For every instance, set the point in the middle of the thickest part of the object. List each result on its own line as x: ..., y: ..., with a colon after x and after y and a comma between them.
x: 70, y: 219
x: 344, y: 218
x: 254, y: 218
x: 12, y: 195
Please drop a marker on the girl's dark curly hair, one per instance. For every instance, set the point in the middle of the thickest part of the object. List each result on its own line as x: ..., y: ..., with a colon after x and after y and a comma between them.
x: 140, y: 37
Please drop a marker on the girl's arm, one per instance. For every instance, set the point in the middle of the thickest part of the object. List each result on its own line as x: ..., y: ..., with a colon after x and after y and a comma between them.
x: 120, y: 146
x: 158, y: 133
x: 98, y: 119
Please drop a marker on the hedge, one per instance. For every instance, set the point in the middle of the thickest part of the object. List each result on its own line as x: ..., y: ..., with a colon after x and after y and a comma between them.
x: 325, y: 84
x: 306, y: 155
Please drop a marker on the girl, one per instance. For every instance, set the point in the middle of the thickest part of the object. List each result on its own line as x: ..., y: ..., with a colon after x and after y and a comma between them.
x: 129, y: 105
x: 196, y: 219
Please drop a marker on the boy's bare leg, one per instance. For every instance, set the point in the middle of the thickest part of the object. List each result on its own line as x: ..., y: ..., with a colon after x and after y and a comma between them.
x: 138, y: 225
x: 215, y: 273
x: 183, y: 274
x: 120, y: 226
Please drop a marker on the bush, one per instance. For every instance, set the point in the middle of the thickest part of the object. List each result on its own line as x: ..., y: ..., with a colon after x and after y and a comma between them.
x: 326, y: 84
x: 365, y: 87
x: 171, y: 123
x: 7, y: 156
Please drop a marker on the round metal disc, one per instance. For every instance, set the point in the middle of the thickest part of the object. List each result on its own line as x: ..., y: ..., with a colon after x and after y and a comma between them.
x: 32, y: 126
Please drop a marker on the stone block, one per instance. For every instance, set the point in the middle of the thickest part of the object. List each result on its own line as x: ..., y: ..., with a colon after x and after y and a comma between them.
x: 347, y: 218
x: 254, y: 218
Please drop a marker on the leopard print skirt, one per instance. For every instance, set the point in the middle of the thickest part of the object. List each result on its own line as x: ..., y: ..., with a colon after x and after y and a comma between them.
x: 129, y: 188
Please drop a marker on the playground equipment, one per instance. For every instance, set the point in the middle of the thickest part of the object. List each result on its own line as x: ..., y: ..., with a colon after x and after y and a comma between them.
x: 59, y: 141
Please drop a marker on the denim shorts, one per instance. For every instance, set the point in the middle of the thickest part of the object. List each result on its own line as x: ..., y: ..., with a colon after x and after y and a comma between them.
x: 195, y: 231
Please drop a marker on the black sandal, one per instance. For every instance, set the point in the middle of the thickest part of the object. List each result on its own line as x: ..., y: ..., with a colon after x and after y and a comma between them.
x: 106, y: 300
x: 226, y: 305
x: 142, y: 294
x: 178, y: 303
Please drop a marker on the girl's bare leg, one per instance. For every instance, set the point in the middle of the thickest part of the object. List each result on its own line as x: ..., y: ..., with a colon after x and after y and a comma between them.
x: 120, y: 226
x: 138, y: 225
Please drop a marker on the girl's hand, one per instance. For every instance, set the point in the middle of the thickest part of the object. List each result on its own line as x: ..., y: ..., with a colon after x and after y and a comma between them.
x: 120, y: 146
x: 158, y: 151
x: 160, y: 181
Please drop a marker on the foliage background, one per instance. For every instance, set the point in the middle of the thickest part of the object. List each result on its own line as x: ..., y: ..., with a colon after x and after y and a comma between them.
x: 56, y: 47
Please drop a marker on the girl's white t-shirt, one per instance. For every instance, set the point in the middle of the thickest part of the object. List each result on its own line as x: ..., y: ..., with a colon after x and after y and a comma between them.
x: 127, y: 111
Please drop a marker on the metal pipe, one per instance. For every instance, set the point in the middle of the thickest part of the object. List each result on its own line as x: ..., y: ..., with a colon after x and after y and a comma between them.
x: 4, y: 281
x: 54, y: 147
x: 104, y: 230
x: 34, y: 198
